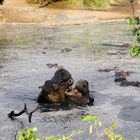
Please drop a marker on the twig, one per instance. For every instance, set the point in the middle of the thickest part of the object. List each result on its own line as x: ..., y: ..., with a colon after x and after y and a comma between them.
x: 30, y: 114
x: 15, y: 135
x: 12, y: 114
x: 133, y: 9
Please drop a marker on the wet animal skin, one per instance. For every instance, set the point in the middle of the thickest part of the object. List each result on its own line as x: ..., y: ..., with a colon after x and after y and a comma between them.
x: 80, y: 93
x: 121, y: 77
x: 53, y: 90
x: 2, y: 2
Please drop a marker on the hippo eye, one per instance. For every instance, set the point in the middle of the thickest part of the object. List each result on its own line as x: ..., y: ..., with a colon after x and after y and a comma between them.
x: 70, y: 81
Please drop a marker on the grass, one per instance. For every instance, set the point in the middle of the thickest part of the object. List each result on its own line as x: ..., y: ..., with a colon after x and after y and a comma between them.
x: 118, y: 1
x: 76, y: 4
x: 98, y: 4
x: 69, y: 4
x: 79, y: 4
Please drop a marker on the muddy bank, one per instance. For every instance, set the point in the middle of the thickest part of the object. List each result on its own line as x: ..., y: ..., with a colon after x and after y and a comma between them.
x: 20, y: 11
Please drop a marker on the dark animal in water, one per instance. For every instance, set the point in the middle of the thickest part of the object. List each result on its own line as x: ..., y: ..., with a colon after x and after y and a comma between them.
x: 80, y: 93
x: 2, y: 2
x: 130, y: 83
x: 53, y: 90
x: 121, y: 77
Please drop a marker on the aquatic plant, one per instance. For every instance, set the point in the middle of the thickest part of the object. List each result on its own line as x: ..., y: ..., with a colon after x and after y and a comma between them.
x: 108, y: 132
x: 28, y: 134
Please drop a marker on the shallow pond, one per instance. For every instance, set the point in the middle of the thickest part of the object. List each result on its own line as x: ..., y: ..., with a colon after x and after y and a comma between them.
x: 25, y: 49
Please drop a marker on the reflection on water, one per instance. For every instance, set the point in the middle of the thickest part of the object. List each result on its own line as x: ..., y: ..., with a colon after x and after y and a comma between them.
x: 25, y: 49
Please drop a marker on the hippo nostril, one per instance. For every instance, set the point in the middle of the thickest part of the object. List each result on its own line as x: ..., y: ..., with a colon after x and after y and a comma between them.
x: 91, y: 101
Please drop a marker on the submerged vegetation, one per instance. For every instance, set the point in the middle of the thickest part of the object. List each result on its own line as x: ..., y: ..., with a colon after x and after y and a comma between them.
x: 77, y: 4
x: 108, y: 132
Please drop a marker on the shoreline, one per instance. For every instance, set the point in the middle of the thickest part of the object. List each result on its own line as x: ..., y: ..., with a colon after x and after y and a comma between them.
x: 71, y: 24
x: 61, y: 18
x: 21, y: 12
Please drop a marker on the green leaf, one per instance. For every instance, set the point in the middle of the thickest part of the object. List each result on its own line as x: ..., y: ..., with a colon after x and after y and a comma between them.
x: 91, y: 129
x: 34, y: 129
x: 135, y: 50
x: 113, y: 126
x: 133, y: 20
x: 136, y: 30
x: 89, y: 118
x: 80, y: 131
x: 37, y: 139
x: 99, y: 123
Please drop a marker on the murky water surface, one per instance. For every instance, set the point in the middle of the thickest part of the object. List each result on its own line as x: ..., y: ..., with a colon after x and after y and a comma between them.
x: 25, y: 49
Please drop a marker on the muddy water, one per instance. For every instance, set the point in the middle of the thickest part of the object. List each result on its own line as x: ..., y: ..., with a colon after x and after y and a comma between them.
x: 25, y: 49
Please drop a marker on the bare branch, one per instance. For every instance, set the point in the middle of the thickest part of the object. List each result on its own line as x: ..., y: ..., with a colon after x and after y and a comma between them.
x: 12, y: 114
